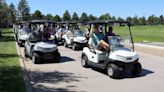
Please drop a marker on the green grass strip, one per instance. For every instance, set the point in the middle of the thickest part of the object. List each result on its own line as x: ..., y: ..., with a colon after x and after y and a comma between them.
x: 11, y: 78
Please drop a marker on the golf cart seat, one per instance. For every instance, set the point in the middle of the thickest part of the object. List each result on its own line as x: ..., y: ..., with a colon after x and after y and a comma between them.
x: 93, y: 54
x: 92, y: 49
x: 34, y: 37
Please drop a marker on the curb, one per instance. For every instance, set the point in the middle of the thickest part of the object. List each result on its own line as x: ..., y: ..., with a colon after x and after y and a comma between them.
x: 154, y: 50
x: 28, y: 86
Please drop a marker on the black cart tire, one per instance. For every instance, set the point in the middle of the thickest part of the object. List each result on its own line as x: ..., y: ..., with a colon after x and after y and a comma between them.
x: 36, y: 58
x: 84, y: 61
x: 20, y: 44
x: 113, y: 71
x: 65, y: 44
x: 57, y: 57
x: 74, y: 46
x: 136, y: 69
x: 25, y: 53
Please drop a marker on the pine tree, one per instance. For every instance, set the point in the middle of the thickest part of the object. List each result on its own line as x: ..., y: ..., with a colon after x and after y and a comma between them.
x: 23, y: 10
x: 57, y: 18
x: 12, y: 13
x: 66, y: 16
x: 84, y: 17
x: 37, y: 15
x: 75, y: 17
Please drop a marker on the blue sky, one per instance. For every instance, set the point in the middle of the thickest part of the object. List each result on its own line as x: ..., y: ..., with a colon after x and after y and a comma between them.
x: 118, y: 8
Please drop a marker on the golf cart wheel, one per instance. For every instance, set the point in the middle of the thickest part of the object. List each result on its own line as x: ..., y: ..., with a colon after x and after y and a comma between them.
x: 25, y: 53
x: 136, y: 69
x: 84, y: 61
x: 57, y: 57
x: 113, y: 71
x: 36, y: 58
x: 74, y: 46
x: 63, y: 41
x: 20, y: 44
x: 65, y: 44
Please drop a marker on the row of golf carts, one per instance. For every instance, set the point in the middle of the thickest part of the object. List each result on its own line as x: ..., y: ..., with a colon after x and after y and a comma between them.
x: 120, y: 58
x: 38, y: 45
x: 41, y: 37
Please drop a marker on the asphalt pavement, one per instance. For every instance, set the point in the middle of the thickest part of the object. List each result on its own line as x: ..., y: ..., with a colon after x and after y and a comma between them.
x: 70, y: 76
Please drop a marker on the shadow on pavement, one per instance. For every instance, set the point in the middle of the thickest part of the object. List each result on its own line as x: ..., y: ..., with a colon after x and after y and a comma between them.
x: 47, y: 89
x: 66, y: 59
x: 63, y: 60
x: 125, y: 75
x: 144, y: 72
x: 40, y: 81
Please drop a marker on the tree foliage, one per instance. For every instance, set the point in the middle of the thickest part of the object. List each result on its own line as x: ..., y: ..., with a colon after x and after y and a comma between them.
x: 48, y: 17
x: 120, y: 19
x: 23, y: 10
x: 66, y: 16
x: 12, y: 13
x: 106, y: 16
x: 75, y: 17
x: 4, y: 9
x: 161, y: 20
x: 135, y: 20
x: 37, y: 15
x: 153, y: 20
x: 84, y: 17
x: 142, y: 21
x: 91, y: 17
x: 129, y: 19
x: 57, y: 18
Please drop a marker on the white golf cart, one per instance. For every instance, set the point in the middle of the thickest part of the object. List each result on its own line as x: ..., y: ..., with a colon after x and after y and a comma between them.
x: 39, y: 49
x: 78, y: 40
x: 60, y: 31
x: 119, y: 59
x: 23, y: 33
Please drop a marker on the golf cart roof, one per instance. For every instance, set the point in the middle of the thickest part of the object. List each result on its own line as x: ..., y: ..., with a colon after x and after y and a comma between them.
x: 70, y: 22
x: 107, y: 22
x: 42, y: 21
x: 23, y: 22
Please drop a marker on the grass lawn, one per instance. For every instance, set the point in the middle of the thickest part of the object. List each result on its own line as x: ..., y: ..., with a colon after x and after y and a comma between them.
x: 11, y: 78
x: 144, y: 33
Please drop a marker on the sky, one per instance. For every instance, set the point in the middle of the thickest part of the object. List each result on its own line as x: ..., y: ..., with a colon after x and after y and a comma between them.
x: 118, y: 8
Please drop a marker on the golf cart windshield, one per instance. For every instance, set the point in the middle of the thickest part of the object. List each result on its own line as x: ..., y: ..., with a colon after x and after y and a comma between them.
x: 118, y: 42
x: 114, y: 41
x: 25, y: 31
x: 78, y: 33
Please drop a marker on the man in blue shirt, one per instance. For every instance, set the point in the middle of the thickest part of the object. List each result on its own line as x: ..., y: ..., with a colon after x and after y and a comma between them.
x: 97, y: 38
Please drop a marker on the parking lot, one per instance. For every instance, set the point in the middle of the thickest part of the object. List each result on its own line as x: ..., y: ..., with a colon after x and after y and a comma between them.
x: 70, y: 76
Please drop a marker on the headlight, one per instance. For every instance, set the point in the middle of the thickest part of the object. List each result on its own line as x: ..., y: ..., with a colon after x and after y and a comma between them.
x: 45, y: 49
x: 39, y: 48
x: 124, y: 58
x: 120, y: 57
x: 84, y: 41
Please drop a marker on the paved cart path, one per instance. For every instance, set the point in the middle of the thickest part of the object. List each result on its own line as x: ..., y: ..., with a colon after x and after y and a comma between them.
x: 70, y: 76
